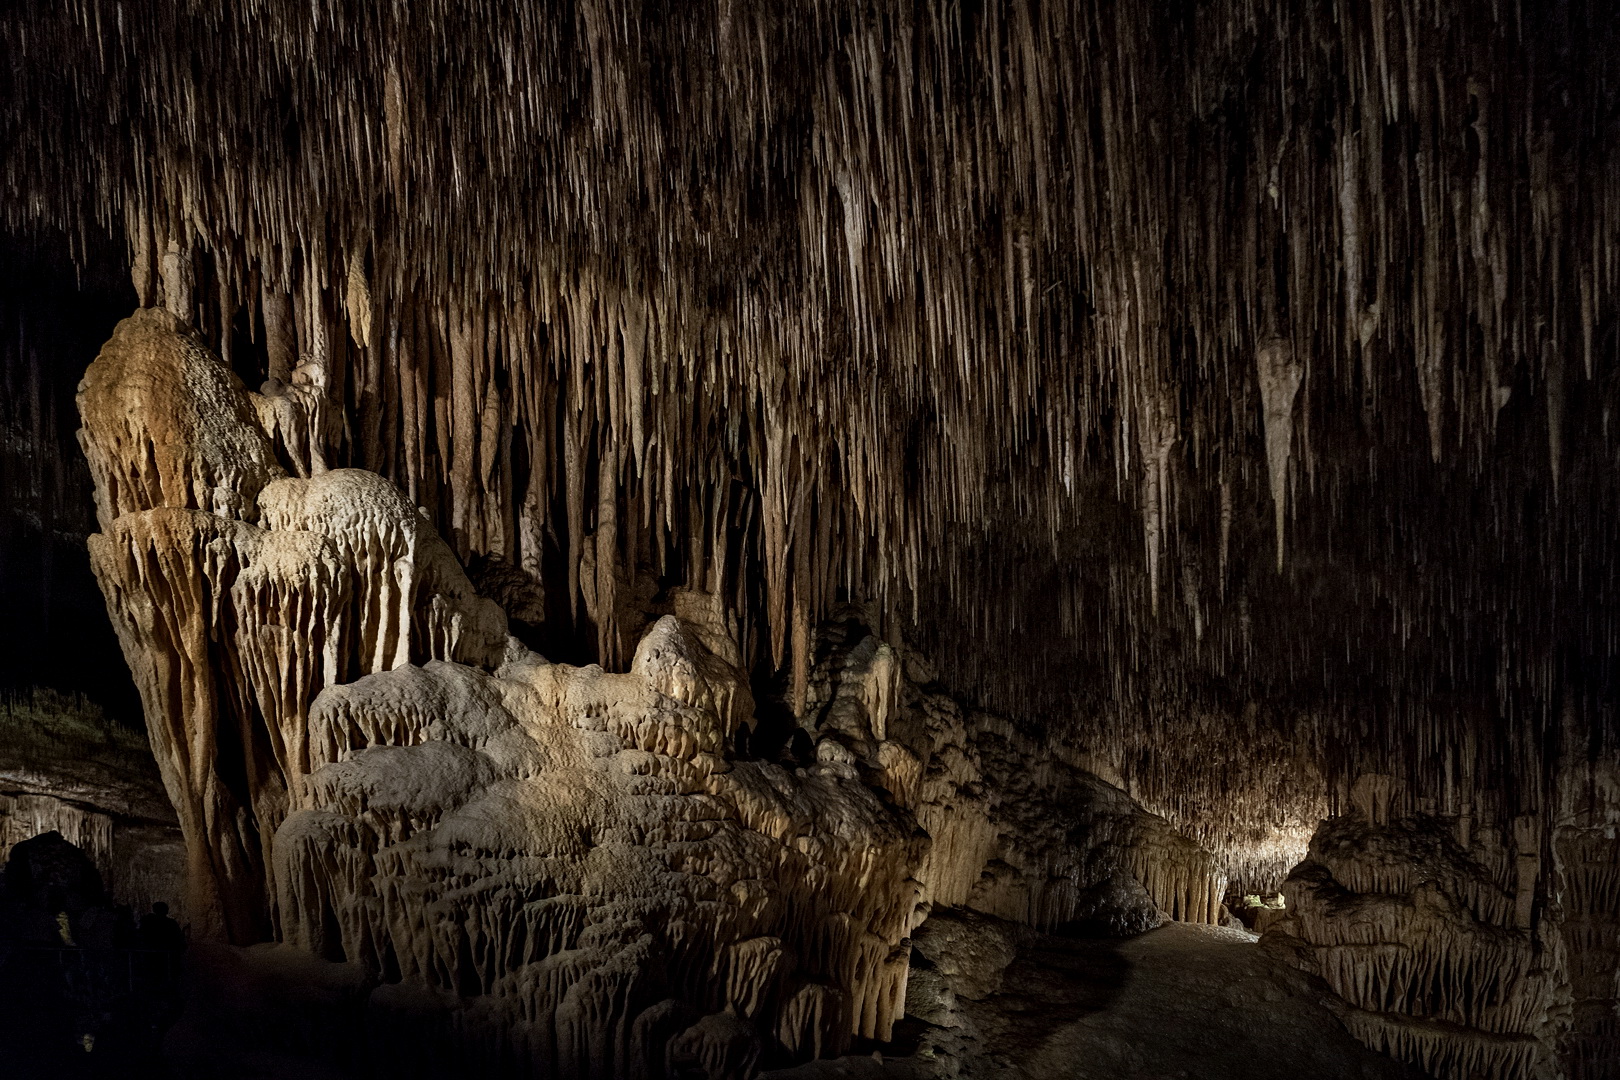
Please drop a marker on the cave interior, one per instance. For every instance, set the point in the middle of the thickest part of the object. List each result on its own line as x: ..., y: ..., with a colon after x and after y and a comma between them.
x: 645, y: 540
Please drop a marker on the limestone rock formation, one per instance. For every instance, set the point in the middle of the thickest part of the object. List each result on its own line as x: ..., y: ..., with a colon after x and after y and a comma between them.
x: 1433, y: 937
x: 537, y: 862
x: 1020, y: 831
x: 234, y: 602
x: 570, y: 852
x: 1588, y: 863
x: 968, y: 952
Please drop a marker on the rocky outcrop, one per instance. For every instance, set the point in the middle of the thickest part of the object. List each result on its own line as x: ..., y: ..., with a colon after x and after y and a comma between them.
x: 1588, y: 862
x: 1416, y: 931
x: 1020, y: 831
x: 569, y: 852
x: 238, y: 592
x: 572, y: 854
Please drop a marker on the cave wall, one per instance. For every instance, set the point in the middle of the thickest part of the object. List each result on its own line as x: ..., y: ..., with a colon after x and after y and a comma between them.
x: 69, y: 768
x: 55, y: 313
x: 73, y: 751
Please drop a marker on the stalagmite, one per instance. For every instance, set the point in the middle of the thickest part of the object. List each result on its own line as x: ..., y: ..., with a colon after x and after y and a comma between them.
x: 229, y: 627
x: 1422, y: 930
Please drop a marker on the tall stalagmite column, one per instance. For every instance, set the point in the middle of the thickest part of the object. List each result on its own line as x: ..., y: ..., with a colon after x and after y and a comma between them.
x: 238, y: 592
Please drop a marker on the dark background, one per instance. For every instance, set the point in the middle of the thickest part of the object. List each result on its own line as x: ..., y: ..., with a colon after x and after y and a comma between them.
x: 54, y: 630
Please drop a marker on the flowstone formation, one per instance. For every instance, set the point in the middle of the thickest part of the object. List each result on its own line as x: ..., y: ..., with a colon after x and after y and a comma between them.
x: 1448, y: 945
x: 238, y: 592
x: 570, y: 853
x: 539, y: 863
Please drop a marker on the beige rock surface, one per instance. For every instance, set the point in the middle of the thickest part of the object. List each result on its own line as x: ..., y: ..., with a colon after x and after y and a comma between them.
x: 237, y: 593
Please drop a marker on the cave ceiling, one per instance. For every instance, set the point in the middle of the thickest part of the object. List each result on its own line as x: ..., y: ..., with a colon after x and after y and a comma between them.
x: 1223, y: 387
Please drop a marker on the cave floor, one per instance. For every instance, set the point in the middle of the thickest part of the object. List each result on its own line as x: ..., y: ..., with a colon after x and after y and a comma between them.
x: 1181, y: 1001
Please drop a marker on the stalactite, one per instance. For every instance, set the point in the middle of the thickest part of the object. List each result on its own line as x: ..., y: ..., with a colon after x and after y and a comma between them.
x: 1280, y: 375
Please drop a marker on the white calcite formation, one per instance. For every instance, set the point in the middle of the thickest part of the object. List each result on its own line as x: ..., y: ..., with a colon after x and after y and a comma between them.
x: 570, y: 852
x: 238, y: 592
x: 539, y: 863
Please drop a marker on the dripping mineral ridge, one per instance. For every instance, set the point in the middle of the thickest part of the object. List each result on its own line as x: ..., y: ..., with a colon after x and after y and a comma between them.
x: 617, y: 539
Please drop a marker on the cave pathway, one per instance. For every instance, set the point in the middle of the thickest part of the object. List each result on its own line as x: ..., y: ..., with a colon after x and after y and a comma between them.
x: 1182, y: 1001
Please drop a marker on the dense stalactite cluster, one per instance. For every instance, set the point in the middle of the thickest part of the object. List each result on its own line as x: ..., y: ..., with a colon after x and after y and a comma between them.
x: 1223, y: 394
x: 927, y: 307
